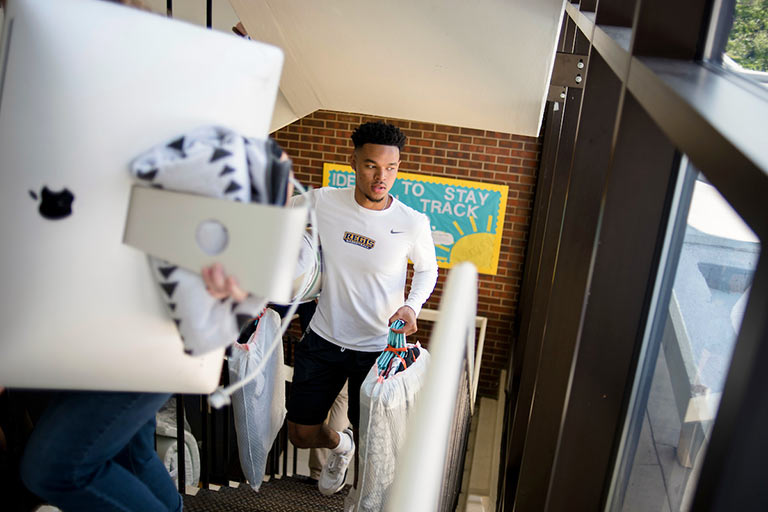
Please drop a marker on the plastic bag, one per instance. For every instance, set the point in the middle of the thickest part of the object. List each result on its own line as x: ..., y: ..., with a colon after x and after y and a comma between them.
x: 259, y: 406
x: 384, y: 408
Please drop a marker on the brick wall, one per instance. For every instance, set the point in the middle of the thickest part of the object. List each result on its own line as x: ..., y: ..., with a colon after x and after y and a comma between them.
x: 454, y: 152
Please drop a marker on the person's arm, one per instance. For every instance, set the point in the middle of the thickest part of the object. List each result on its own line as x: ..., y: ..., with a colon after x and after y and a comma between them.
x: 220, y: 285
x: 423, y: 282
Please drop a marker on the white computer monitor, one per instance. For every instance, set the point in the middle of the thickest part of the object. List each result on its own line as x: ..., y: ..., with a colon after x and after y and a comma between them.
x: 85, y: 87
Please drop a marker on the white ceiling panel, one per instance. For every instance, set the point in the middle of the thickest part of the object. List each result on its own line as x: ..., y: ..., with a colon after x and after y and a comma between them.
x: 482, y: 64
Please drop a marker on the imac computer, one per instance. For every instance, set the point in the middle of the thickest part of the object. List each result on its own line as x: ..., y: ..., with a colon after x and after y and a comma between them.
x: 85, y: 87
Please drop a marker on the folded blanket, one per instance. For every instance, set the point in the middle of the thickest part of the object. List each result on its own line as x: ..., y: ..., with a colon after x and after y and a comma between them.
x: 214, y: 162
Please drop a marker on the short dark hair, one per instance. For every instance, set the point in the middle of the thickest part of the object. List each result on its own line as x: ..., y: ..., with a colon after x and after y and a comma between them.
x: 378, y: 132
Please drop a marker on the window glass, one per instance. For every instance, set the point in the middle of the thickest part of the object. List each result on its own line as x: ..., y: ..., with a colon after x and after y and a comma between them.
x: 746, y: 48
x: 689, y: 355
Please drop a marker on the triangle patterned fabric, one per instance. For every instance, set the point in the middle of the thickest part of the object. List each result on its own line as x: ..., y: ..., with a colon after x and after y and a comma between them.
x: 215, y: 162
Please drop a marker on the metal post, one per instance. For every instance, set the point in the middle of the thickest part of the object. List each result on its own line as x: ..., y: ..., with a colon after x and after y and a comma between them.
x: 180, y: 441
x: 206, y: 453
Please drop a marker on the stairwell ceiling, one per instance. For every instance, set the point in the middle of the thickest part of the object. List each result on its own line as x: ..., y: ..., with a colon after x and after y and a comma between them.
x: 480, y: 64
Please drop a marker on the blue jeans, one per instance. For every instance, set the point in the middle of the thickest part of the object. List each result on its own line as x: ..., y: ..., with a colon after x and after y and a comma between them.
x: 95, y: 451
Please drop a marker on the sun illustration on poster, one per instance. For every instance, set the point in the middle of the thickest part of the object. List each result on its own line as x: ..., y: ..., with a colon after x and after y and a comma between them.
x: 476, y: 246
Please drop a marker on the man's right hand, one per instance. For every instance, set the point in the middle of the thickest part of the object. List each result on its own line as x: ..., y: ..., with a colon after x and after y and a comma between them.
x: 220, y: 285
x: 408, y: 316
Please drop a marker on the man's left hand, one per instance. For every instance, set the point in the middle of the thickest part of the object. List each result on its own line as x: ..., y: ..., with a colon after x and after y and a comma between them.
x: 408, y: 316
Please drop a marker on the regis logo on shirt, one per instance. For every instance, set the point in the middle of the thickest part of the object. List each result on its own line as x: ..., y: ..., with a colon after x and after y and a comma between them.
x: 362, y: 241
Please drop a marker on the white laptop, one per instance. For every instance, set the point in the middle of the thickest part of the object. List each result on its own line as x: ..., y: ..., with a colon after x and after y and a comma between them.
x: 86, y: 86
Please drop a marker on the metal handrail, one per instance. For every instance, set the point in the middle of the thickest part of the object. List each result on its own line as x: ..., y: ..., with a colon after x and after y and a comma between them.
x: 481, y: 323
x: 419, y: 475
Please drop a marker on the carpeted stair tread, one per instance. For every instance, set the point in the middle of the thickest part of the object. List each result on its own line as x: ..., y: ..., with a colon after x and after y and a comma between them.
x: 296, y: 494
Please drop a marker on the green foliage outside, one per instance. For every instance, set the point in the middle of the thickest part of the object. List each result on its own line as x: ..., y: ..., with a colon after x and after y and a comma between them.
x: 748, y: 42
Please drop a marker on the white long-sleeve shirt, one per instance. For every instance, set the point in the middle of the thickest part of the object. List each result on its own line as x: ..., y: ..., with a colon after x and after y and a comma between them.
x: 365, y: 259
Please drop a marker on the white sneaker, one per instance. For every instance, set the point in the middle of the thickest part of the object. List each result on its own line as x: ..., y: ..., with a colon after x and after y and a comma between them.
x: 335, y: 469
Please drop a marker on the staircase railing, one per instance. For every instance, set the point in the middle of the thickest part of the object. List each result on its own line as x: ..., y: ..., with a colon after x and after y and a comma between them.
x: 429, y: 469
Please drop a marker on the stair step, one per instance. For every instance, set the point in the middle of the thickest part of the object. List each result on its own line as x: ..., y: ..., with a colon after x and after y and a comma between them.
x: 288, y: 494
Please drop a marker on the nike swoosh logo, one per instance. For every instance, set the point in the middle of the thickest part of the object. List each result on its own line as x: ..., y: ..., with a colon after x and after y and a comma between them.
x: 395, y: 232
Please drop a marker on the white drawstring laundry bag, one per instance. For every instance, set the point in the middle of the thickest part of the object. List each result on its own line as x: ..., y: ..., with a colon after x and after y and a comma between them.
x: 387, y: 396
x: 259, y: 405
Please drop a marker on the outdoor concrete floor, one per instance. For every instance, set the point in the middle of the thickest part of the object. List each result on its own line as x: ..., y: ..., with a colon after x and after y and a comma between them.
x: 658, y: 483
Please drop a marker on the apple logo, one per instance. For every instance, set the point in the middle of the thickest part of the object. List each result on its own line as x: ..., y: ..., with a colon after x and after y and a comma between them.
x: 54, y: 205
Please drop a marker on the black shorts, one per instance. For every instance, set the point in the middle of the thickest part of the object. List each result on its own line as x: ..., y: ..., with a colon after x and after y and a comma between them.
x: 319, y: 372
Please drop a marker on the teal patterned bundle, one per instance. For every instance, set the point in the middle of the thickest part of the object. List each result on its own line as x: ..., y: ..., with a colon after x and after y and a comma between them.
x: 395, y: 346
